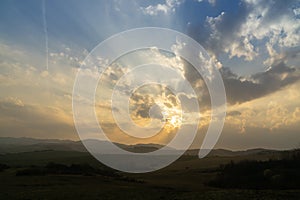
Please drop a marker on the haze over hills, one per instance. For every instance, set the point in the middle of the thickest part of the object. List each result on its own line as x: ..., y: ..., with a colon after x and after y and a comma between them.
x: 24, y: 144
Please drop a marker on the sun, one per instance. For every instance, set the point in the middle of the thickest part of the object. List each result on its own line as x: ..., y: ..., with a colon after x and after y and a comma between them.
x: 175, y: 121
x: 172, y: 115
x: 156, y: 105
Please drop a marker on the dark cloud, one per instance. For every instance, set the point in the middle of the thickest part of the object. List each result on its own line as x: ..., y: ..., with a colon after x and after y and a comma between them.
x: 241, y: 89
x: 156, y: 112
x: 141, y: 104
x: 187, y: 103
x: 277, y: 10
x: 216, y: 35
x: 200, y: 88
x: 234, y: 113
x: 143, y: 110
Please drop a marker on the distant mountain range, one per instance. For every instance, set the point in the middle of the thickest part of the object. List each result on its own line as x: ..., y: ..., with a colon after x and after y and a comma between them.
x: 17, y: 145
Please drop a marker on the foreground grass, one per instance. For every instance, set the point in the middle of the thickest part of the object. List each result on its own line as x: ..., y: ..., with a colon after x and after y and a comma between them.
x: 187, y: 178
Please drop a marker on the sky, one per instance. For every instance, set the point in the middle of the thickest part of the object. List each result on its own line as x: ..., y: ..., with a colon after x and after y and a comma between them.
x: 255, y: 45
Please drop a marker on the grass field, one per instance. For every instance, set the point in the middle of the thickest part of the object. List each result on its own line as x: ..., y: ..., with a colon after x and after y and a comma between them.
x: 187, y: 178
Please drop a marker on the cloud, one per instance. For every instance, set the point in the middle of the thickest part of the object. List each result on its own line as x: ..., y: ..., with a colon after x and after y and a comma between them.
x: 12, y: 101
x: 168, y: 7
x: 30, y: 81
x: 241, y: 89
x: 258, y: 137
x: 276, y: 58
x: 276, y: 112
x: 223, y: 35
x: 19, y: 119
x: 283, y: 70
x: 212, y: 2
x: 234, y: 113
x: 154, y: 101
x: 246, y: 32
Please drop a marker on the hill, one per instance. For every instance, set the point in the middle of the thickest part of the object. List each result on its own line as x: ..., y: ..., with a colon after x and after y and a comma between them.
x: 19, y: 145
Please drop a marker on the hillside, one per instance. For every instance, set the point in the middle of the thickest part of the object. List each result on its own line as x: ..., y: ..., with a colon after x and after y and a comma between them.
x: 19, y: 145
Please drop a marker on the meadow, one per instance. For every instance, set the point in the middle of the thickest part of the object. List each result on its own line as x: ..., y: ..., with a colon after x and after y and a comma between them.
x: 51, y: 174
